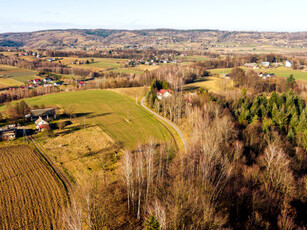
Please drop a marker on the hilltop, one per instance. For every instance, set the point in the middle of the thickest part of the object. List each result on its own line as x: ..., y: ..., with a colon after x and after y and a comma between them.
x: 101, y: 38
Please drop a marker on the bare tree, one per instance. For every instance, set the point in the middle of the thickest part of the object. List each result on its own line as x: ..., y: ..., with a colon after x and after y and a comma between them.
x: 73, y: 216
x: 277, y: 171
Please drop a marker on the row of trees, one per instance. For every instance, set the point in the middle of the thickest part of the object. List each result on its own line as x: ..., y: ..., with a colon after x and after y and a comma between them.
x: 125, y: 53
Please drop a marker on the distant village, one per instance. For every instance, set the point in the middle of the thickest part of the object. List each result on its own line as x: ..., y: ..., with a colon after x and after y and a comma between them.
x: 254, y: 65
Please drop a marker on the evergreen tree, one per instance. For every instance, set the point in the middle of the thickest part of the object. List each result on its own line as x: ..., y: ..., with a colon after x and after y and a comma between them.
x: 267, y: 123
x: 152, y: 223
x: 291, y: 135
x: 302, y: 125
x: 290, y: 82
x: 275, y: 114
x: 294, y: 121
x: 301, y: 105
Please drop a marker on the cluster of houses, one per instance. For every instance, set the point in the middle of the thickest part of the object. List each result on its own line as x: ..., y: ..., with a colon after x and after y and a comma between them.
x: 46, y: 82
x: 254, y: 65
x: 155, y: 61
x: 40, y: 118
x: 260, y: 74
x: 266, y: 75
x: 8, y: 132
x: 30, y: 53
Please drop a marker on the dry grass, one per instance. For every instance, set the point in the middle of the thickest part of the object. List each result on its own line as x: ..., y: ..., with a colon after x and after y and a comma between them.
x: 79, y: 150
x: 133, y: 92
x: 8, y: 82
x: 217, y: 85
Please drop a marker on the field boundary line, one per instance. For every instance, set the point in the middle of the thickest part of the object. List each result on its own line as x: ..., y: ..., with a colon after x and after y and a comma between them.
x: 63, y: 178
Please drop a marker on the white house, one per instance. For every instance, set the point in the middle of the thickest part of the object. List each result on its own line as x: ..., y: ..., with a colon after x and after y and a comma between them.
x: 251, y: 65
x: 164, y: 93
x: 41, y: 124
x: 265, y: 64
x: 288, y: 64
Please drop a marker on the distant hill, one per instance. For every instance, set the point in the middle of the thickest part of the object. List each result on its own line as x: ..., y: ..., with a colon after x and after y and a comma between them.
x: 97, y: 38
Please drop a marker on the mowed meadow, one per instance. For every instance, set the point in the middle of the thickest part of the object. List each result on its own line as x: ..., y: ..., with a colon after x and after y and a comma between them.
x: 116, y: 114
x: 280, y: 72
x: 31, y: 195
x: 106, y: 65
x: 18, y: 74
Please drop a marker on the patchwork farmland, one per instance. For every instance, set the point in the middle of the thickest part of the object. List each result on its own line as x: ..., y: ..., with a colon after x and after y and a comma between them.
x: 12, y: 76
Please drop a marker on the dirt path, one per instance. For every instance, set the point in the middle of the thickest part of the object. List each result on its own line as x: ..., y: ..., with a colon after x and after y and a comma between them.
x: 174, y: 126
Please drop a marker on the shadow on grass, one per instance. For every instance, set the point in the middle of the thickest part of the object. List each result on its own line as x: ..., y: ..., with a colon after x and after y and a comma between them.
x: 191, y: 87
x: 99, y: 115
x: 74, y: 129
x: 113, y: 150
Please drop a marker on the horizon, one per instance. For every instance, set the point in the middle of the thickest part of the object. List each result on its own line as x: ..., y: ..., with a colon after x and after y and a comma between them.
x: 237, y: 15
x: 195, y: 29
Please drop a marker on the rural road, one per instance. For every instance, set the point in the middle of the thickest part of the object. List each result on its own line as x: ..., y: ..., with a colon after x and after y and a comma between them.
x: 177, y: 129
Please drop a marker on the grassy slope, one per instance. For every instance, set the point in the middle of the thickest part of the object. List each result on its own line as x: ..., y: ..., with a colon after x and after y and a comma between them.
x: 110, y: 111
x: 281, y: 72
x: 209, y: 83
x: 18, y: 74
x: 8, y: 82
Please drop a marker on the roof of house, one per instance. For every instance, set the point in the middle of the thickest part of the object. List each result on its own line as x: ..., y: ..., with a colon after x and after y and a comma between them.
x: 250, y: 64
x: 40, y: 121
x: 163, y: 91
x: 42, y: 112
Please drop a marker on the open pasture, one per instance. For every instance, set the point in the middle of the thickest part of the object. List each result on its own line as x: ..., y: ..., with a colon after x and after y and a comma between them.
x: 286, y: 72
x: 18, y: 74
x: 280, y: 72
x: 117, y: 115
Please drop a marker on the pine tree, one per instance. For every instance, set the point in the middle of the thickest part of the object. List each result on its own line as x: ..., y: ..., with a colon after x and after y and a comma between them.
x: 291, y: 135
x: 275, y: 114
x: 152, y: 223
x: 302, y: 125
x: 294, y: 121
x: 267, y: 123
x: 273, y: 99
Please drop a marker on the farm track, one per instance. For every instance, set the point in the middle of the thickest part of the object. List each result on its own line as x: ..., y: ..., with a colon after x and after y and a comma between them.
x: 175, y: 127
x: 64, y: 179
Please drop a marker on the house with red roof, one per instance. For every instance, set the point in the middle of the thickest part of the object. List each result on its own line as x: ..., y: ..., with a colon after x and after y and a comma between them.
x: 41, y: 124
x: 37, y: 81
x: 164, y: 93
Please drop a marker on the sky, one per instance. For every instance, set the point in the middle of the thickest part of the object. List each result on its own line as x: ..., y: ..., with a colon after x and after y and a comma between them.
x: 239, y: 15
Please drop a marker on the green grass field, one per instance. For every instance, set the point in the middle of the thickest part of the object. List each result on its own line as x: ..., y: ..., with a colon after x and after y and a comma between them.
x: 117, y: 115
x: 286, y: 72
x: 9, y: 82
x: 220, y: 71
x: 18, y: 74
x: 195, y: 58
x: 209, y: 83
x: 280, y: 72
